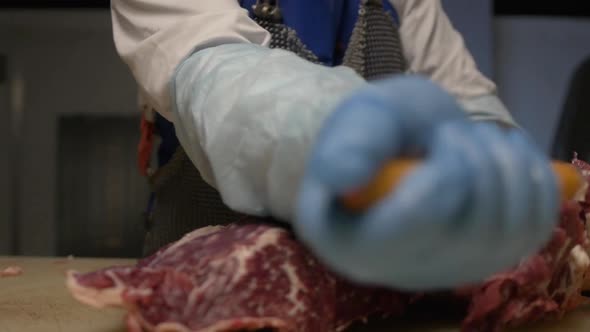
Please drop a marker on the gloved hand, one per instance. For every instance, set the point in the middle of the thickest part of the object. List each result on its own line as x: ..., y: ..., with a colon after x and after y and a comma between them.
x: 484, y: 198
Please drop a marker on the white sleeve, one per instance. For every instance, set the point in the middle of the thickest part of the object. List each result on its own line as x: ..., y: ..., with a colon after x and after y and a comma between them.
x: 434, y: 48
x: 153, y: 37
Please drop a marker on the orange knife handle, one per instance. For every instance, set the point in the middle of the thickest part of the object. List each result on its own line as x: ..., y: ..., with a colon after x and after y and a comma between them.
x: 570, y: 182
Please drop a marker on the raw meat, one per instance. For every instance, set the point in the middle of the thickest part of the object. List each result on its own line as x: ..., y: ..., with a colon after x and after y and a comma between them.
x: 255, y: 276
x: 546, y: 285
x: 11, y: 271
x: 240, y: 277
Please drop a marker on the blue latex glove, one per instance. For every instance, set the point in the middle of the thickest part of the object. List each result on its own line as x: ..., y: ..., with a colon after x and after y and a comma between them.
x: 484, y: 198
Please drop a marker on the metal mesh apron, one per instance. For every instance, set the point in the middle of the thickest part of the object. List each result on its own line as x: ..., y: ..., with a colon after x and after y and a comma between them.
x: 268, y: 15
x: 184, y: 201
x: 375, y: 48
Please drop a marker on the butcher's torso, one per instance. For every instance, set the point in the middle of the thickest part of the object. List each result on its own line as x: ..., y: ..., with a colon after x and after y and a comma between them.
x: 323, y: 26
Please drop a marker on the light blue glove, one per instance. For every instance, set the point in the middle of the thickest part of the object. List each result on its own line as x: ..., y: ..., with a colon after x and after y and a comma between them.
x: 246, y: 116
x: 484, y: 198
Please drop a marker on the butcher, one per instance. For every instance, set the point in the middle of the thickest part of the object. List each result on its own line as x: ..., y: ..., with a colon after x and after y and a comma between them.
x: 276, y: 109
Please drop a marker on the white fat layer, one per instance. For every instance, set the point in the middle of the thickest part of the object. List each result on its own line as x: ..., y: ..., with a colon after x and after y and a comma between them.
x: 243, y: 254
x: 296, y: 286
x: 579, y: 263
x: 192, y: 297
x: 189, y: 237
x: 580, y: 195
x: 580, y: 258
x: 98, y: 298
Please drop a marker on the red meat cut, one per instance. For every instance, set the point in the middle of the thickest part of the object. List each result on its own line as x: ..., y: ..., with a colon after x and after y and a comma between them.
x: 240, y: 277
x: 254, y: 276
x: 544, y: 286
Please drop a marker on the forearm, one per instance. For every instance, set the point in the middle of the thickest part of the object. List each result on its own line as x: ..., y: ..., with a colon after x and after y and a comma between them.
x: 247, y: 116
x: 435, y: 49
x: 488, y: 107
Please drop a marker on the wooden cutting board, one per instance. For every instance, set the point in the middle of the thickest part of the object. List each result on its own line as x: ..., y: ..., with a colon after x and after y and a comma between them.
x: 37, y: 301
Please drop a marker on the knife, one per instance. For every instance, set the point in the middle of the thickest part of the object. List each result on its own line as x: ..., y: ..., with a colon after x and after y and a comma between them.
x: 569, y: 177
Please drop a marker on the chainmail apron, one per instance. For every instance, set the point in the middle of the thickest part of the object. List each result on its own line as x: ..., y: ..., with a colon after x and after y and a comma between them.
x: 184, y: 201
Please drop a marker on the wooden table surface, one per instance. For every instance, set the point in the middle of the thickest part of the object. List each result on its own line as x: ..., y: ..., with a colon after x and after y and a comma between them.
x: 37, y: 301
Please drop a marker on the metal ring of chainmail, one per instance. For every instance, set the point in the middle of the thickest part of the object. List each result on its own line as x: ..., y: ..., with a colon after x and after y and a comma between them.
x: 184, y: 201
